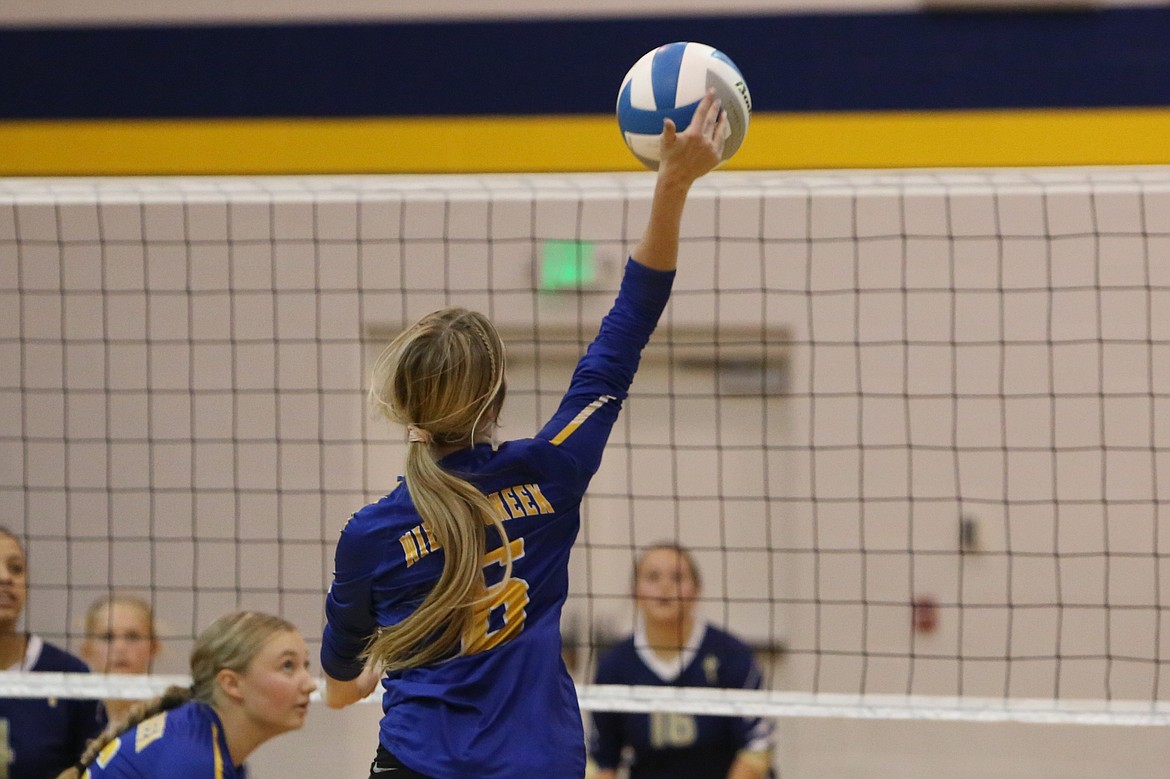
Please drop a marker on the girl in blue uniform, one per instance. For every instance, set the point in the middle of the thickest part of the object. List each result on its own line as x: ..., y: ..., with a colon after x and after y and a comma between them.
x: 452, y: 586
x: 671, y: 646
x: 38, y: 737
x: 250, y: 683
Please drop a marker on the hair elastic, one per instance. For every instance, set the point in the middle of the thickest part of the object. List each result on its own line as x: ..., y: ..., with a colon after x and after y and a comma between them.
x: 416, y: 435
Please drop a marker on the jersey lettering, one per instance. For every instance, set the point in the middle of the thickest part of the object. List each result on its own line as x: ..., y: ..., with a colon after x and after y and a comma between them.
x: 512, y: 598
x: 417, y: 543
x: 520, y: 500
x: 149, y: 731
x: 671, y: 729
x: 711, y: 670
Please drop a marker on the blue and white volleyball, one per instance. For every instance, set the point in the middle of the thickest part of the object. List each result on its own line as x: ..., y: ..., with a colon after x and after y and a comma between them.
x: 669, y: 82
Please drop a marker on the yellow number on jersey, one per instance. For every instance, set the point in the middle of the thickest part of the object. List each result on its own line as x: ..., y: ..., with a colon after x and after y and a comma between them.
x: 669, y: 729
x: 513, y: 597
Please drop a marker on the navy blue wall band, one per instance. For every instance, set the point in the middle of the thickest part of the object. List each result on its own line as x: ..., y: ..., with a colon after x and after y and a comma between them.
x: 1116, y: 57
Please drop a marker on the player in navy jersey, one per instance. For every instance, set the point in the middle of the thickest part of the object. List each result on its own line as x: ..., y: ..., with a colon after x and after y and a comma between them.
x: 250, y: 682
x: 453, y: 585
x: 38, y: 737
x: 671, y: 646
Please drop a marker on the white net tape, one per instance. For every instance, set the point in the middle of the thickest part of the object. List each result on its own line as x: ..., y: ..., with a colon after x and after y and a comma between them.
x: 737, y: 703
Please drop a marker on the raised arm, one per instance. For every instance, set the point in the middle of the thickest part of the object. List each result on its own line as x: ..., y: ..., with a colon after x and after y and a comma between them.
x: 686, y: 156
x: 602, y: 380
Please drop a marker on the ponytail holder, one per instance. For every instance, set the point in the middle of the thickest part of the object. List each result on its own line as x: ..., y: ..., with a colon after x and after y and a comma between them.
x: 416, y: 435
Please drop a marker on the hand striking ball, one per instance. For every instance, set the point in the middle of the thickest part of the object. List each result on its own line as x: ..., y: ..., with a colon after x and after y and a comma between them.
x: 669, y: 82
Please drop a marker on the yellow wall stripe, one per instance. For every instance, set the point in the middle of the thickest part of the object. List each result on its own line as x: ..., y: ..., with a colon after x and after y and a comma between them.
x: 576, y: 143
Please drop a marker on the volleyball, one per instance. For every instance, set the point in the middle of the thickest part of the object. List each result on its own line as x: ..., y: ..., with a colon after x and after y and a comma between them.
x: 669, y: 81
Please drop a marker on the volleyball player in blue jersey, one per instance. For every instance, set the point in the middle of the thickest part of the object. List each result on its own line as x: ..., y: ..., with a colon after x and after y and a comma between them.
x: 671, y: 646
x: 250, y: 683
x: 38, y: 737
x: 460, y: 574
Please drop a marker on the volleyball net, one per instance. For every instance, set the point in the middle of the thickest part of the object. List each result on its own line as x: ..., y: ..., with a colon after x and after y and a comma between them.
x: 912, y: 424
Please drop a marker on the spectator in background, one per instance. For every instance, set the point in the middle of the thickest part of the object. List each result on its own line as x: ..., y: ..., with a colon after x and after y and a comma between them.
x: 120, y: 638
x: 38, y: 737
x: 671, y: 646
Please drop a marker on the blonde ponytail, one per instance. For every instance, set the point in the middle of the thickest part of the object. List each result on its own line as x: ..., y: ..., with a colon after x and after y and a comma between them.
x: 444, y: 379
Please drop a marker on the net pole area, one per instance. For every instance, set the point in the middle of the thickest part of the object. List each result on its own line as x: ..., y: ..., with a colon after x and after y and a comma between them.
x: 911, y: 424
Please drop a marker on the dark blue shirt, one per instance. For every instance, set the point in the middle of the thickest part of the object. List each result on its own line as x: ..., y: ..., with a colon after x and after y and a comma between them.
x: 669, y: 745
x: 40, y: 738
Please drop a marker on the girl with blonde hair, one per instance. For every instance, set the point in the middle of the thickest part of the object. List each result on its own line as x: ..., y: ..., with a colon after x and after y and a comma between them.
x: 250, y: 683
x: 453, y: 584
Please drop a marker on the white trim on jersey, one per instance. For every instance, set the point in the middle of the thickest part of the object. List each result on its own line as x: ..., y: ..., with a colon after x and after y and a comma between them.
x: 579, y: 420
x: 669, y: 670
x: 32, y: 653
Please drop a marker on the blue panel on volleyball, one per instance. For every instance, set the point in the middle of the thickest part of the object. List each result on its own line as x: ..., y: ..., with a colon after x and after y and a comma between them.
x: 664, y: 73
x: 638, y: 120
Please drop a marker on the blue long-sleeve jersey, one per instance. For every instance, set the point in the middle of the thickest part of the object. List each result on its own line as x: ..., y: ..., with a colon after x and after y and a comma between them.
x: 505, y: 707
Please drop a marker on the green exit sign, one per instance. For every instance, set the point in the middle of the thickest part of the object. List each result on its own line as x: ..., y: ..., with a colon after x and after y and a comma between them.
x: 566, y: 265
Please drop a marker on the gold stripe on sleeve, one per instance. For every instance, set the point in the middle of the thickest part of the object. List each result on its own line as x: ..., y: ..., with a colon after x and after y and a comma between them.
x: 578, y: 420
x: 216, y: 752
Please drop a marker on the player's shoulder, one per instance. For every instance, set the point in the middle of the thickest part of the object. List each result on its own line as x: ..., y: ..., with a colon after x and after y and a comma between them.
x: 511, y: 462
x: 734, y: 659
x: 502, y: 462
x: 617, y: 657
x: 522, y: 448
x: 192, y: 717
x: 187, y: 733
x: 539, y: 459
x: 623, y: 647
x: 718, y: 640
x: 180, y: 742
x: 53, y: 658
x: 186, y: 728
x: 382, y: 516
